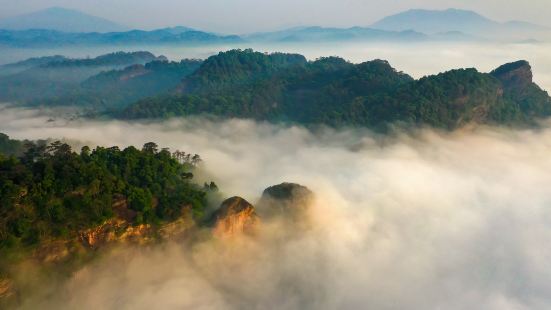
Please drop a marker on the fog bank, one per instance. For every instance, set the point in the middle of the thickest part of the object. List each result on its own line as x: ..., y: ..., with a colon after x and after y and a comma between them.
x: 425, y: 220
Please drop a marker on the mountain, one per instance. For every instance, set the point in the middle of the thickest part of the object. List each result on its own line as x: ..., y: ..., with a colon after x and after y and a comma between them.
x: 94, y: 199
x: 314, y: 34
x: 177, y: 29
x: 63, y: 209
x: 334, y: 92
x: 468, y: 22
x: 432, y: 22
x: 56, y: 77
x: 115, y: 89
x: 19, y: 66
x: 281, y: 87
x: 60, y: 19
x: 53, y: 38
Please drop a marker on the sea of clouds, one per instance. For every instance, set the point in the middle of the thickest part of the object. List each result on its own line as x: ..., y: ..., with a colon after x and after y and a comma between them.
x: 414, y: 220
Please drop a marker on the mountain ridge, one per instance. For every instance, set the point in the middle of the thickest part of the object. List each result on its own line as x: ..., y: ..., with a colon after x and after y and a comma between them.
x: 48, y: 38
x: 331, y: 91
x: 466, y: 21
x: 61, y: 19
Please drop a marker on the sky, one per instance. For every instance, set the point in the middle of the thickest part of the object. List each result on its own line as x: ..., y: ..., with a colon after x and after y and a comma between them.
x: 245, y: 16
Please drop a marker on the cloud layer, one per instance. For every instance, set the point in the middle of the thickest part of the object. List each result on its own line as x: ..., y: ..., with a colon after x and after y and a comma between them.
x: 422, y: 220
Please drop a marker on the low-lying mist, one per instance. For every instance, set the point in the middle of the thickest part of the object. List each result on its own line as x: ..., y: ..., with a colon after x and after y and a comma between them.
x: 415, y: 58
x: 419, y: 220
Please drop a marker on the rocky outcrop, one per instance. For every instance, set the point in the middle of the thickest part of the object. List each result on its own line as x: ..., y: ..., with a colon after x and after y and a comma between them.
x: 522, y: 93
x: 516, y: 74
x: 287, y: 199
x: 116, y: 230
x: 83, y: 246
x: 119, y: 230
x: 7, y: 289
x: 235, y: 216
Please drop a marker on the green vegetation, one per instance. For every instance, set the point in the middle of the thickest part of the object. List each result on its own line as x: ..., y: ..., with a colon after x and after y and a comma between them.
x: 331, y: 91
x: 115, y: 89
x: 280, y: 87
x: 52, y: 192
x: 57, y: 80
x: 11, y: 147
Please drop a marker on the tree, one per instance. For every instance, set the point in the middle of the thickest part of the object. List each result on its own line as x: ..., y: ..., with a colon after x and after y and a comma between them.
x: 140, y: 199
x: 150, y: 147
x: 85, y: 151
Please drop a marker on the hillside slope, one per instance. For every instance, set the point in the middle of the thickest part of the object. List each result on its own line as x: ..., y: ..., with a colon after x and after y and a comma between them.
x: 334, y: 92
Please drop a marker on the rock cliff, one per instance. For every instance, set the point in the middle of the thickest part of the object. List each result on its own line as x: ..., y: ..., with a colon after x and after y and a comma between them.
x: 286, y: 199
x: 235, y: 216
x: 515, y: 74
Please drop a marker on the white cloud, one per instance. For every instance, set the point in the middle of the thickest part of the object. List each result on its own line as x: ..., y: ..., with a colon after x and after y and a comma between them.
x: 427, y: 220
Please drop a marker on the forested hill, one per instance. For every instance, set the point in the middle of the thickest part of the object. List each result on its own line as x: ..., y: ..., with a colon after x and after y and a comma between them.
x: 60, y: 208
x: 50, y: 191
x: 115, y: 89
x: 53, y: 77
x: 332, y: 91
x: 109, y: 81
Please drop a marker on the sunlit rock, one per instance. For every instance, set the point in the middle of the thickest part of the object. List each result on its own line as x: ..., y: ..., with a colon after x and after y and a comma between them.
x: 235, y: 216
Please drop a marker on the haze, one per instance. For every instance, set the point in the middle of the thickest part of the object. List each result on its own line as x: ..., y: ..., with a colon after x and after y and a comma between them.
x: 416, y: 59
x: 409, y: 218
x: 427, y: 220
x: 245, y: 16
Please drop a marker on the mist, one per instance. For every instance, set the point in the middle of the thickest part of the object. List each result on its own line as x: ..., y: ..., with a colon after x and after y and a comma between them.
x: 413, y: 220
x: 244, y: 15
x: 416, y: 59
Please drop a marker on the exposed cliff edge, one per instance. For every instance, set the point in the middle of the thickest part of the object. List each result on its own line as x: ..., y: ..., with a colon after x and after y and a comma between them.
x: 515, y: 74
x: 524, y: 99
x: 235, y: 216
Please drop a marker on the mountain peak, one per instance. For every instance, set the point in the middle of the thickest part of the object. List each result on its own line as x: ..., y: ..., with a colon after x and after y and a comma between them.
x: 60, y: 9
x: 60, y: 19
x: 471, y: 23
x: 235, y: 216
x: 518, y: 73
x: 434, y: 21
x: 447, y: 11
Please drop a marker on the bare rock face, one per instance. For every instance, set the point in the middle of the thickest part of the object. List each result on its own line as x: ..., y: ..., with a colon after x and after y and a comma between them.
x: 286, y: 199
x: 516, y: 74
x: 235, y: 216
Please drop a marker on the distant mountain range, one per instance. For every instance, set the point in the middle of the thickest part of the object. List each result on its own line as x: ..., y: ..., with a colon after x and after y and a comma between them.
x: 50, y: 77
x: 49, y: 28
x: 46, y: 38
x: 61, y: 19
x: 453, y: 20
x: 312, y: 34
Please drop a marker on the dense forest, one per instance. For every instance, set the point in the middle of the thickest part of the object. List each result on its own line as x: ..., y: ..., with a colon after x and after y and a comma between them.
x: 57, y: 80
x: 115, y: 89
x: 50, y: 191
x: 277, y: 87
x: 332, y: 91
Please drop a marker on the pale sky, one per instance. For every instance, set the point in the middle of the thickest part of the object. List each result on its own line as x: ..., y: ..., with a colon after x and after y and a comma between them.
x: 243, y: 16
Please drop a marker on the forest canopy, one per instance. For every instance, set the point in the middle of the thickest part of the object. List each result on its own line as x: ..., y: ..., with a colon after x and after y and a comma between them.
x: 51, y: 191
